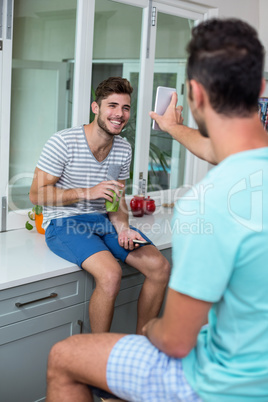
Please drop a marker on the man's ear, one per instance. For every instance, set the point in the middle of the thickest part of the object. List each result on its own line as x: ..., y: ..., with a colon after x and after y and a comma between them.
x: 198, y: 94
x: 95, y: 107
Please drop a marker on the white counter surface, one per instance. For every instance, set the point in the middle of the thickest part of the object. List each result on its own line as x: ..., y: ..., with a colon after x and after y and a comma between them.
x: 25, y: 257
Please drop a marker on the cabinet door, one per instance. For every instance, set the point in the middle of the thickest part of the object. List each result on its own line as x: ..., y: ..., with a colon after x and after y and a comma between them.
x: 24, y: 349
x: 125, y: 312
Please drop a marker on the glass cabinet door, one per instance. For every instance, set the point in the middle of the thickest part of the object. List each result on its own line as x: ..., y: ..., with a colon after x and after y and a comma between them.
x: 117, y: 37
x: 167, y: 156
x: 43, y: 42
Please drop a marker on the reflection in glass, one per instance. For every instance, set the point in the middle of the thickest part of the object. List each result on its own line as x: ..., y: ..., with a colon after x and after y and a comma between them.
x: 117, y: 44
x: 167, y: 169
x: 43, y: 40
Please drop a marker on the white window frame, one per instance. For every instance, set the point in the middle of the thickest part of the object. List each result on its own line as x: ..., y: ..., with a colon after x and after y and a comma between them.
x: 5, y: 100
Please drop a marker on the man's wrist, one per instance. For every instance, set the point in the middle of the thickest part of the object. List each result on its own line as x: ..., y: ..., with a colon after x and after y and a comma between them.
x: 82, y: 193
x: 121, y: 227
x: 74, y: 195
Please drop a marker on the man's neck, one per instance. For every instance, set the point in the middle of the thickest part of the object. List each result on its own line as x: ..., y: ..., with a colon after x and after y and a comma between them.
x: 233, y: 135
x: 99, y: 142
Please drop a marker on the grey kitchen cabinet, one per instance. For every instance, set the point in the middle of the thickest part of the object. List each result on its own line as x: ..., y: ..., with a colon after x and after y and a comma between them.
x: 24, y: 351
x: 36, y: 315
x: 31, y: 322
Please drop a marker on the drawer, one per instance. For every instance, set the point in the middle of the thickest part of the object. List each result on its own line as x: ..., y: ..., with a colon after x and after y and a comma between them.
x: 131, y: 279
x: 127, y: 270
x: 27, y: 301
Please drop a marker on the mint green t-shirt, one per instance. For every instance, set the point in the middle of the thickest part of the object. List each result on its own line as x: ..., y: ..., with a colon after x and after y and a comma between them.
x: 220, y: 255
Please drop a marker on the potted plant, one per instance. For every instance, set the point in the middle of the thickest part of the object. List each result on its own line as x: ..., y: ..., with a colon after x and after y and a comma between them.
x: 36, y: 215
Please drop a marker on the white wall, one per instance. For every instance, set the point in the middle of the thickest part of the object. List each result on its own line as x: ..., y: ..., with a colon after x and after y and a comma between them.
x: 245, y: 9
x: 263, y: 27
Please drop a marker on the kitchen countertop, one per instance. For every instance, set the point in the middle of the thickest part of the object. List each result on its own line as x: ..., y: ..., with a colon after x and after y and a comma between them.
x: 25, y: 257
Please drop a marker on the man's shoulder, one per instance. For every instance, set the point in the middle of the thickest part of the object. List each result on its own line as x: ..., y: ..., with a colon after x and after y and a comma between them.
x: 121, y: 142
x: 67, y: 137
x: 68, y: 132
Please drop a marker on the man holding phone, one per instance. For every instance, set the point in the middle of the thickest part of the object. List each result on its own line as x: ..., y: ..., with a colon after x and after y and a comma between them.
x: 219, y: 275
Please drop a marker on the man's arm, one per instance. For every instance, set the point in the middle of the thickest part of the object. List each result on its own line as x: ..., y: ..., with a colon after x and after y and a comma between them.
x: 44, y: 192
x: 171, y: 122
x: 120, y: 218
x: 176, y: 332
x: 120, y: 221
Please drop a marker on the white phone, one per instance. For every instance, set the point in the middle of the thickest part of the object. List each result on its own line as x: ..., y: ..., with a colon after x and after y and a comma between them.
x: 162, y: 100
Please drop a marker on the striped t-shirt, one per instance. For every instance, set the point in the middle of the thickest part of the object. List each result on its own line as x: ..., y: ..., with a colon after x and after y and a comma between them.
x: 67, y: 155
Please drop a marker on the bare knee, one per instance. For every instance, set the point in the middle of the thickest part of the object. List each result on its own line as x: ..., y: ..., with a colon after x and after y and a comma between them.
x: 109, y: 281
x: 160, y: 271
x: 56, y: 361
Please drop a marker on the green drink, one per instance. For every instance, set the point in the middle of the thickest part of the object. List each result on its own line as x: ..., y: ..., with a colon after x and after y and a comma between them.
x: 112, y: 206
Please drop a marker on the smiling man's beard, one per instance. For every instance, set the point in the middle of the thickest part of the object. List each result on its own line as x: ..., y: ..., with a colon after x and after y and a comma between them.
x: 103, y: 126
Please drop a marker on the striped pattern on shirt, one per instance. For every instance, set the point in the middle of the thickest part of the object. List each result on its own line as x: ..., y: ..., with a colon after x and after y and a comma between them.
x: 67, y: 155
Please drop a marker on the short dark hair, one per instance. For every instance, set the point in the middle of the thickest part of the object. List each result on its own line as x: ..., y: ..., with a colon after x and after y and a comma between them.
x: 112, y: 85
x: 227, y: 58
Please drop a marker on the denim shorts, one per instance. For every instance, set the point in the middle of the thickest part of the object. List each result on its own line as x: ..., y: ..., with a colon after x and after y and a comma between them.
x: 78, y: 237
x: 137, y: 371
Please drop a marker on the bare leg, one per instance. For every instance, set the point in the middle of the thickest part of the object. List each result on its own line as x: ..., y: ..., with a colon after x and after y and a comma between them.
x: 107, y: 274
x: 156, y: 269
x: 76, y: 362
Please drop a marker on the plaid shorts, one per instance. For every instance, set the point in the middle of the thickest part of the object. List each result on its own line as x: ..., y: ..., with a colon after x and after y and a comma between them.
x: 138, y: 371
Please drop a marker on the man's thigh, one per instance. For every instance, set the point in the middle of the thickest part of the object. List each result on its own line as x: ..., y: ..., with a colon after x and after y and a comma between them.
x: 76, y: 238
x: 148, y: 259
x: 85, y: 357
x: 139, y: 372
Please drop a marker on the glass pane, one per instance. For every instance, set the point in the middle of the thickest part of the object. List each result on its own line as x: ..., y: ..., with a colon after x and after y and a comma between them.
x: 43, y: 43
x: 116, y: 46
x: 167, y: 157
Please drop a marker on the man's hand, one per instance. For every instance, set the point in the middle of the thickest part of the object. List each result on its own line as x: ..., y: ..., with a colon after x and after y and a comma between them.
x: 103, y: 190
x: 125, y: 239
x: 172, y: 116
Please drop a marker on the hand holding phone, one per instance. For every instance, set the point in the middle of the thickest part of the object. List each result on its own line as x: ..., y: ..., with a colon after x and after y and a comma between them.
x: 162, y: 100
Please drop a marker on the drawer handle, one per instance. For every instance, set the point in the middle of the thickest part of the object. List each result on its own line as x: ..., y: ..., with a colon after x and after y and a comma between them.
x: 80, y: 323
x: 51, y: 296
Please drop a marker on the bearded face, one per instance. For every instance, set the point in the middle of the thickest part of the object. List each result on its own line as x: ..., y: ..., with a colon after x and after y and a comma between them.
x: 114, y: 113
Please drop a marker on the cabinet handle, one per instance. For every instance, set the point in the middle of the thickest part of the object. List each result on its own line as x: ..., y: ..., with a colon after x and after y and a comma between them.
x: 80, y: 323
x: 51, y: 296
